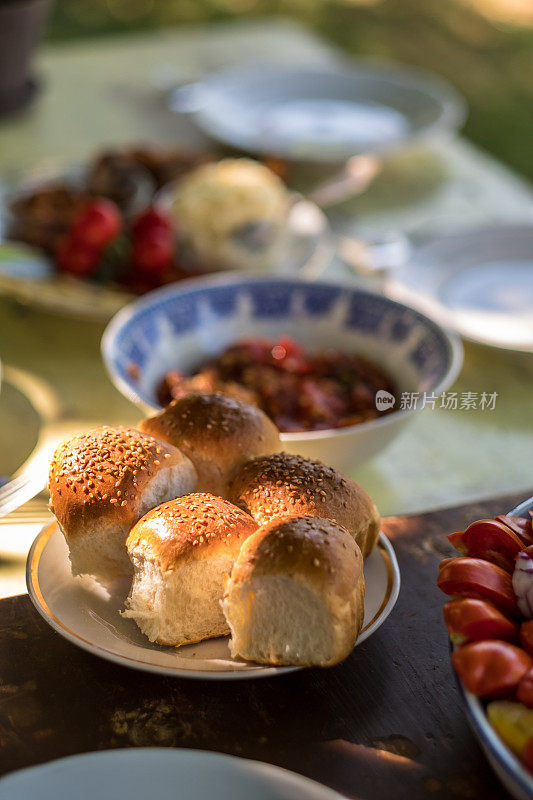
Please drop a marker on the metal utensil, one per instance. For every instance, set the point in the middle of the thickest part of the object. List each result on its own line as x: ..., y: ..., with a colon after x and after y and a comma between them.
x: 32, y: 477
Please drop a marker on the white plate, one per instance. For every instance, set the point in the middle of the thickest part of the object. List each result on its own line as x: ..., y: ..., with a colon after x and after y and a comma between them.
x: 88, y: 615
x: 160, y: 774
x: 320, y: 114
x: 477, y: 282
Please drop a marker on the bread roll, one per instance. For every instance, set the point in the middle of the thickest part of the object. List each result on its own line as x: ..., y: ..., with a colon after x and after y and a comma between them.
x: 218, y: 433
x: 296, y: 594
x: 181, y: 552
x: 283, y: 484
x: 101, y: 483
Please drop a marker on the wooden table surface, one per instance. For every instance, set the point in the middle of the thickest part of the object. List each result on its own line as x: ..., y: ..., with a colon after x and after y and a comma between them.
x: 385, y: 723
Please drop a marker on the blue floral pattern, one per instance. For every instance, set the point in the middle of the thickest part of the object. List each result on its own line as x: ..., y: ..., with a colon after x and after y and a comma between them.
x: 183, y: 310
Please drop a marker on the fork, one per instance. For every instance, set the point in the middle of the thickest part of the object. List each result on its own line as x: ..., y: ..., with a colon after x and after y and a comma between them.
x: 32, y: 477
x: 29, y: 481
x: 19, y: 529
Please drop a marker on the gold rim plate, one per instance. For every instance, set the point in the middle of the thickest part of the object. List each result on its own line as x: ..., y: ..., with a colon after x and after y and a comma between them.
x: 88, y: 615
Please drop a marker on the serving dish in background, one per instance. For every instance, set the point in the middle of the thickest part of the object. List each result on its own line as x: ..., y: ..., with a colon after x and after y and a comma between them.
x: 478, y: 282
x: 50, y: 198
x: 180, y: 326
x: 322, y: 114
x: 88, y: 615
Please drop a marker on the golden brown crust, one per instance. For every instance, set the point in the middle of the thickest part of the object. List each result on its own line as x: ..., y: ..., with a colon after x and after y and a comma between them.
x: 190, y: 528
x: 283, y: 484
x: 314, y: 551
x: 102, y: 473
x: 215, y: 427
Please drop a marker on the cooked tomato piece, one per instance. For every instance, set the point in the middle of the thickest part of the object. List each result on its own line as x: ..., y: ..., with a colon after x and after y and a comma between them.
x: 474, y: 577
x: 491, y: 668
x: 522, y: 527
x: 299, y: 391
x: 524, y: 693
x: 490, y: 540
x: 526, y: 636
x: 468, y: 620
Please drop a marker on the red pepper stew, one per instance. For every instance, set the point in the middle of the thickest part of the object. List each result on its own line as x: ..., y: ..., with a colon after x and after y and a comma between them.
x: 297, y: 390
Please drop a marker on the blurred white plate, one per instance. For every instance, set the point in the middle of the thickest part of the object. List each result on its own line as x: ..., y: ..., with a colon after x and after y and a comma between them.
x: 88, y: 615
x: 477, y: 282
x: 326, y: 114
x: 160, y: 774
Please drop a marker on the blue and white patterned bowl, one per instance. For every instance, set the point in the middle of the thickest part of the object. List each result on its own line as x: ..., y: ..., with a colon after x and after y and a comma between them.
x: 181, y: 325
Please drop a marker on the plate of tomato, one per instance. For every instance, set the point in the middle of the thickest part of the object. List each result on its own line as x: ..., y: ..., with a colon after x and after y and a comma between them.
x: 78, y: 241
x: 89, y: 239
x: 489, y: 618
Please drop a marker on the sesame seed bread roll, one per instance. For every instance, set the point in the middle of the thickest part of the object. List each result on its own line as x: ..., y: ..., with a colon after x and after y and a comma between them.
x: 218, y: 433
x: 285, y: 484
x: 101, y: 482
x: 182, y: 552
x: 296, y: 594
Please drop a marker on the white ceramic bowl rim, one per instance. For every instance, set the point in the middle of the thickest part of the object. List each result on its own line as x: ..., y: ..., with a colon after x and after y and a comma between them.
x: 452, y: 341
x: 450, y: 117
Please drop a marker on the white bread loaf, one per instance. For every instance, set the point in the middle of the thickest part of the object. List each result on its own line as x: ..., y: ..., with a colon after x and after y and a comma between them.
x: 296, y: 594
x: 218, y: 433
x: 283, y: 484
x: 101, y: 482
x: 182, y: 552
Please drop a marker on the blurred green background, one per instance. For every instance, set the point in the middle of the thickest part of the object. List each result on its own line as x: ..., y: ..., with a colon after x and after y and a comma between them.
x: 484, y: 47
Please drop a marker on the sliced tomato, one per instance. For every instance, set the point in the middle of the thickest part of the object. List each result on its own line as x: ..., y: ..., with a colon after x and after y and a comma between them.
x: 490, y: 540
x: 458, y: 541
x: 524, y: 693
x: 474, y: 577
x: 469, y: 620
x: 526, y: 636
x: 491, y: 668
x: 522, y: 527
